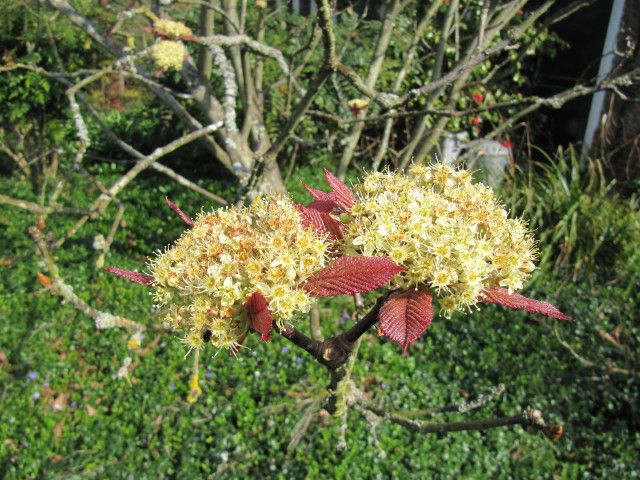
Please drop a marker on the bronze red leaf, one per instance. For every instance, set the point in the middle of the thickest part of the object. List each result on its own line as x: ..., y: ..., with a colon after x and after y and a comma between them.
x: 323, y: 206
x: 137, y: 277
x: 341, y: 193
x: 321, y: 196
x: 185, y: 218
x: 321, y: 221
x: 349, y: 275
x: 257, y: 307
x: 501, y: 296
x: 406, y: 315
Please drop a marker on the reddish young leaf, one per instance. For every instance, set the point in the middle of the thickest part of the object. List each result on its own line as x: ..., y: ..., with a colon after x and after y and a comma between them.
x: 320, y: 195
x: 341, y: 192
x: 323, y: 205
x: 405, y: 316
x: 332, y: 226
x: 257, y: 308
x: 310, y: 216
x: 323, y: 222
x: 136, y: 277
x: 185, y: 218
x: 352, y: 275
x: 501, y: 296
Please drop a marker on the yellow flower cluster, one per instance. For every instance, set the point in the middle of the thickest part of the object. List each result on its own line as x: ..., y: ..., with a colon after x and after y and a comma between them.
x: 450, y: 233
x: 204, y: 279
x: 168, y: 54
x: 172, y: 28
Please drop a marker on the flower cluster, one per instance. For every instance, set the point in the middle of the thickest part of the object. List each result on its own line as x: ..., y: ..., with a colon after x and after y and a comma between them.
x: 205, y: 278
x: 451, y: 234
x: 171, y: 28
x: 168, y: 54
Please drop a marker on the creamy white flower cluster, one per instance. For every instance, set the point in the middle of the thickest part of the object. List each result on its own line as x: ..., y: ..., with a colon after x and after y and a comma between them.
x: 168, y: 54
x: 450, y: 234
x: 203, y: 280
x: 171, y: 28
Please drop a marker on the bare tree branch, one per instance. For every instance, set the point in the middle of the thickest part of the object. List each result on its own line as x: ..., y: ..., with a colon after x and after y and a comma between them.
x: 529, y: 418
x: 372, y: 77
x: 39, y: 209
x: 59, y: 287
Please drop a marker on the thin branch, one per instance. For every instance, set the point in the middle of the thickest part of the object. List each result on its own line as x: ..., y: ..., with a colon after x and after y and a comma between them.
x: 101, y: 204
x: 406, y: 66
x: 461, y: 407
x: 495, y: 26
x: 251, y: 44
x: 16, y: 157
x: 59, y: 287
x: 109, y: 240
x: 185, y: 182
x: 157, y: 165
x: 39, y: 209
x: 588, y: 363
x: 454, y: 74
x: 86, y: 25
x: 529, y: 419
x: 372, y: 77
x: 556, y: 101
x: 147, y: 161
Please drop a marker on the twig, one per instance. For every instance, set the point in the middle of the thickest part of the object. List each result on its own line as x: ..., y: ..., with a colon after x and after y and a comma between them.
x: 298, y: 432
x: 185, y: 182
x: 406, y: 66
x: 110, y: 237
x: 253, y: 45
x: 59, y: 287
x: 39, y: 209
x: 156, y: 165
x: 461, y: 407
x: 589, y: 363
x: 372, y: 77
x: 101, y: 204
x: 529, y: 418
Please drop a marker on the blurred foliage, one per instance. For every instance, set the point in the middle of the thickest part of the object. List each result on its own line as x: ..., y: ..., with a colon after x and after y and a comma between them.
x: 584, y: 226
x: 33, y: 35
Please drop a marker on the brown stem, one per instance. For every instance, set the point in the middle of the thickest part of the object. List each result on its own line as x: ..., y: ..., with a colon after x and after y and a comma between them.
x: 529, y: 418
x: 365, y: 323
x: 336, y: 353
